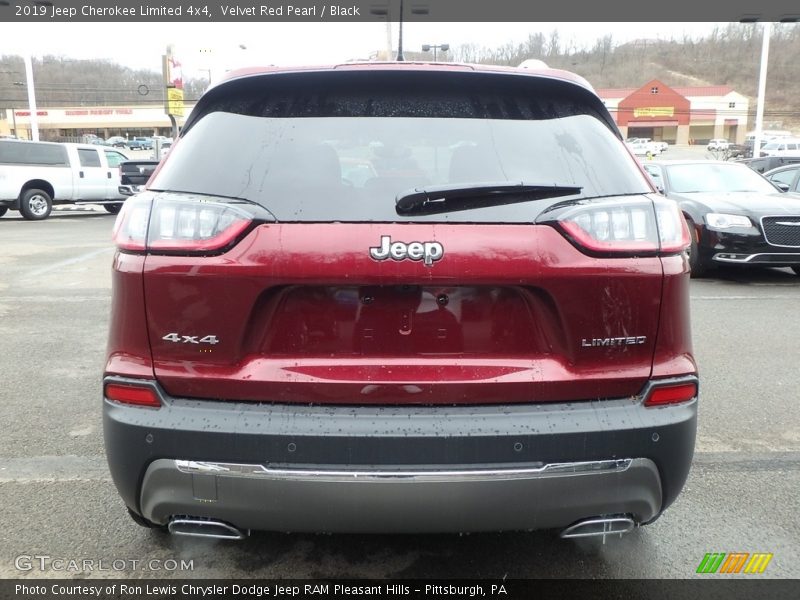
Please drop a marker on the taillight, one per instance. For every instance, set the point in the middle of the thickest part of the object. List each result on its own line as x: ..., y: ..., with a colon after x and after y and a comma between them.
x: 158, y: 224
x: 671, y: 394
x: 630, y: 227
x: 130, y: 228
x: 672, y: 228
x: 132, y: 394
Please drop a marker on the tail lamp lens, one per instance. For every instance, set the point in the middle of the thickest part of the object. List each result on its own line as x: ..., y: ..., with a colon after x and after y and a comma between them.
x: 130, y: 228
x: 671, y: 394
x: 170, y: 225
x: 673, y: 231
x: 627, y: 227
x: 132, y: 394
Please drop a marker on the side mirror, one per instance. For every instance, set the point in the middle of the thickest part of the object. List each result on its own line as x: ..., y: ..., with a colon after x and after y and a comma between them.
x: 784, y: 187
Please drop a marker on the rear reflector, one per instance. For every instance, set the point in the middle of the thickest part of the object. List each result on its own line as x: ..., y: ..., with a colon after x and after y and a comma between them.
x: 671, y: 394
x: 131, y: 394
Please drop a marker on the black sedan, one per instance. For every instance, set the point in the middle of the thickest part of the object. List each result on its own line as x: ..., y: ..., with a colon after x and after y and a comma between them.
x: 736, y: 217
x: 786, y: 177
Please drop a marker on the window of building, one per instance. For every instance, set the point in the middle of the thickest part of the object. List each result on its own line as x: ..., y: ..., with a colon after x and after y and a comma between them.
x: 731, y: 104
x: 654, y: 90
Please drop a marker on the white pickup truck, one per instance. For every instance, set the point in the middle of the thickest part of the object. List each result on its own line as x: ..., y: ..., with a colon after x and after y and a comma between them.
x: 36, y: 175
x: 644, y: 147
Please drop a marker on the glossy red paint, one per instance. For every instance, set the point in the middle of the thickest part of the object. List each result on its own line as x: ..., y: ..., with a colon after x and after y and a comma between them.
x: 128, y: 351
x: 295, y: 305
x: 673, y: 352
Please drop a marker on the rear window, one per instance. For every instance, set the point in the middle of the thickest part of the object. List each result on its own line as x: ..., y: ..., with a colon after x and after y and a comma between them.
x: 339, y: 147
x: 31, y: 153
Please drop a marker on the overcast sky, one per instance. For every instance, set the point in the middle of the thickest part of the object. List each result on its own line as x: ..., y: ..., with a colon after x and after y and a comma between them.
x: 141, y: 45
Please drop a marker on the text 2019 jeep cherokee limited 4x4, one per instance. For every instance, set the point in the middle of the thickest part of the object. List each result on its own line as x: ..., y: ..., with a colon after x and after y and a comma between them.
x: 399, y: 298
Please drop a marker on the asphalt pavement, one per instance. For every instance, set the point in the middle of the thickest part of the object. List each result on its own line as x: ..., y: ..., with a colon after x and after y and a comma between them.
x: 57, y: 499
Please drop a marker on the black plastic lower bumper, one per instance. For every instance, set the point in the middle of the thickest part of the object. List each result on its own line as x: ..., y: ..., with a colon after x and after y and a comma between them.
x: 143, y: 446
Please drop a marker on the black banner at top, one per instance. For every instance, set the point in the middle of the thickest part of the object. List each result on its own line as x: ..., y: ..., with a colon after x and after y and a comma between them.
x: 412, y: 10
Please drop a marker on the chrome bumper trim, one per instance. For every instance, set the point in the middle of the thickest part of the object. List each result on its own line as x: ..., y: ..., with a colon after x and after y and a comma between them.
x: 727, y: 257
x: 419, y: 475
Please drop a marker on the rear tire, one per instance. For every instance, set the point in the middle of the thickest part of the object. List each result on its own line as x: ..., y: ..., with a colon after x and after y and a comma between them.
x: 113, y: 208
x: 3, y: 210
x: 796, y: 270
x: 35, y: 205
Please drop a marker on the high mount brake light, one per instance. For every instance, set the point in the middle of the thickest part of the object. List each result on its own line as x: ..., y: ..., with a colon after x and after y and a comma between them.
x: 627, y: 227
x: 178, y: 226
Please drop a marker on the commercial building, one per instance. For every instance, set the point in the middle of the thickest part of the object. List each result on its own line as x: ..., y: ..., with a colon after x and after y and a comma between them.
x: 679, y: 115
x: 102, y: 121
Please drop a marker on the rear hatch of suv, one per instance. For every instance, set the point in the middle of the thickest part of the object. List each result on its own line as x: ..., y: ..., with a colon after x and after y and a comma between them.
x: 401, y: 236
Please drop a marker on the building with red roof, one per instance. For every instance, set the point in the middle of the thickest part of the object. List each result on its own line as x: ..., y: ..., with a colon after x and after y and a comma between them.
x: 678, y: 115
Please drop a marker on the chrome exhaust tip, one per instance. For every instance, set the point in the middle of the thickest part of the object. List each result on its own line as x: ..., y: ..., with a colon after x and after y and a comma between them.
x: 205, y: 528
x: 599, y: 526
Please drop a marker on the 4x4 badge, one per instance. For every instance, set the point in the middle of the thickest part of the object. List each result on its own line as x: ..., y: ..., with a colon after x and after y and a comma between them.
x: 427, y: 252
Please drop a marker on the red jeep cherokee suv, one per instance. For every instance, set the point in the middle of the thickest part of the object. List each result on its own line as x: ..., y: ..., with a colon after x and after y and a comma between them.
x: 399, y: 298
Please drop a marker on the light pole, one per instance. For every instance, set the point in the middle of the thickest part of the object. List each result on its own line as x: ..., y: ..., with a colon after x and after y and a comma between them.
x: 31, y: 98
x: 762, y: 88
x: 435, y: 47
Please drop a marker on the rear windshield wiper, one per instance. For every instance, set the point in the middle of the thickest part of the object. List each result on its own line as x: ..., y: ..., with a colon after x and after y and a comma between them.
x: 437, y: 199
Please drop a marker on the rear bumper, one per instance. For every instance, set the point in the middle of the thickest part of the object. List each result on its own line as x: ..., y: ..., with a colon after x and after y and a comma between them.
x: 401, y: 501
x: 399, y: 469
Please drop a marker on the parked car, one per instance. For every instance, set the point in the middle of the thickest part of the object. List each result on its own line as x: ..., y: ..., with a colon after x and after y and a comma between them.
x: 117, y: 141
x: 718, y: 144
x: 644, y: 148
x: 781, y: 147
x: 482, y: 333
x: 734, y: 151
x: 163, y: 147
x: 767, y: 163
x: 787, y: 178
x: 736, y: 217
x: 661, y: 146
x: 134, y: 175
x: 37, y: 175
x: 140, y: 143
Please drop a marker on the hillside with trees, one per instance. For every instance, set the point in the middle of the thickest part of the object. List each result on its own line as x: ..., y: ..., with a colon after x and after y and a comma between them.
x: 728, y: 56
x: 62, y: 81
